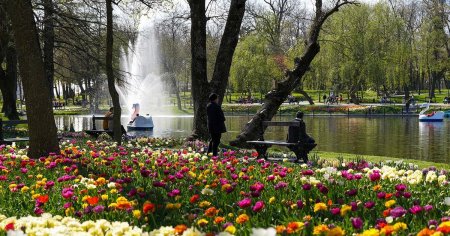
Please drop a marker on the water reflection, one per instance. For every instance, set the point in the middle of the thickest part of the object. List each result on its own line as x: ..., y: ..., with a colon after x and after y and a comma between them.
x: 390, y: 136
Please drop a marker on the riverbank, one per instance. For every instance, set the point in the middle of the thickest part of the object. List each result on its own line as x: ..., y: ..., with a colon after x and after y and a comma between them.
x: 369, y: 109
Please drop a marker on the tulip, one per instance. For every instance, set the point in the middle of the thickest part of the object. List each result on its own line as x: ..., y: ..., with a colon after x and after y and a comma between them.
x: 369, y: 204
x: 400, y: 187
x: 246, y: 202
x: 258, y: 206
x: 357, y: 222
x: 398, y: 212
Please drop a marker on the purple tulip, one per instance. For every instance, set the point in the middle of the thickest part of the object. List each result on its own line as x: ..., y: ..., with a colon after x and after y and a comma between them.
x: 67, y: 193
x: 400, y: 187
x: 281, y: 184
x: 415, y: 209
x: 432, y: 222
x: 428, y: 207
x: 308, y: 172
x: 381, y: 195
x: 299, y: 204
x: 67, y: 205
x: 306, y: 187
x: 369, y: 204
x: 354, y: 206
x: 398, y: 212
x: 98, y: 209
x: 323, y: 189
x: 352, y: 192
x: 246, y: 202
x: 38, y: 211
x: 255, y: 194
x: 357, y: 222
x: 335, y: 211
x: 259, y: 205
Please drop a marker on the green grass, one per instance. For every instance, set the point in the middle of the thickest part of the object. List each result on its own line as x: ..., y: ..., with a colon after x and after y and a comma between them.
x: 376, y: 159
x: 334, y: 156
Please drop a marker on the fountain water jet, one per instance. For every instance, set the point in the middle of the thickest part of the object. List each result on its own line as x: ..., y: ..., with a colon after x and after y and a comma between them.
x: 141, y: 63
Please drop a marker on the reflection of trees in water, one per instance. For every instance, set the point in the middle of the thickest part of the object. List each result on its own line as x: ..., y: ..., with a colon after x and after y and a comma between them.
x: 432, y: 140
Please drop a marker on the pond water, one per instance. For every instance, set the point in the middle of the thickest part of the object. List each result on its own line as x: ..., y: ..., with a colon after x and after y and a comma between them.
x: 384, y: 136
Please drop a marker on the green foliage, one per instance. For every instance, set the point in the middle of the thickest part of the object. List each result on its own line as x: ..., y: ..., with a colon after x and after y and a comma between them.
x: 253, y: 68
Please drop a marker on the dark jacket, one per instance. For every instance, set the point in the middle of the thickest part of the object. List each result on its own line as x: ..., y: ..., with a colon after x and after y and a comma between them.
x: 298, y: 133
x: 216, y: 119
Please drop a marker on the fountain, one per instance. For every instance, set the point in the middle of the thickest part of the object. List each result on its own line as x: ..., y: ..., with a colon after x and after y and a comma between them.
x: 141, y: 63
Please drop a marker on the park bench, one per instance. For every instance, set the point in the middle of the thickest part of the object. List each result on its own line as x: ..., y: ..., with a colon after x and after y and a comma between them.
x: 60, y: 105
x: 96, y: 132
x: 300, y: 149
x: 10, y: 124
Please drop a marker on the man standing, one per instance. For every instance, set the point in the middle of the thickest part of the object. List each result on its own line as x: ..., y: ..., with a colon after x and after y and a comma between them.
x: 216, y: 123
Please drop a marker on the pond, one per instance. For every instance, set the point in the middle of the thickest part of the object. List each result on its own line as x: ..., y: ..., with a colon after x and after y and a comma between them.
x: 385, y: 136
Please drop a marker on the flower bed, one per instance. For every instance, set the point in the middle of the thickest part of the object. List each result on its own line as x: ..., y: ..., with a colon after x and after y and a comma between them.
x: 186, y: 193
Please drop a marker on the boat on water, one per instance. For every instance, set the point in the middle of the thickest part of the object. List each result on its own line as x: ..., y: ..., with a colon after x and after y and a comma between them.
x: 139, y: 122
x: 447, y: 113
x: 435, y: 116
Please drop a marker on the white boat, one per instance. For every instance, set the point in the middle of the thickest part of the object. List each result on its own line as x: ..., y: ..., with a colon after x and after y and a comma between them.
x: 139, y: 122
x: 435, y: 116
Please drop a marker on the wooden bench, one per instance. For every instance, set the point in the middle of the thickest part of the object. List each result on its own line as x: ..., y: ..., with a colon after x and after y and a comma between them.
x: 11, y: 123
x: 94, y: 131
x: 300, y: 149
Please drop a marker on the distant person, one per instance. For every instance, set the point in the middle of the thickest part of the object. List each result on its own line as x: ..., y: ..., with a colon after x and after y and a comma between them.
x: 107, y: 124
x: 298, y: 133
x: 407, y: 104
x: 216, y: 123
x: 131, y: 121
x: 324, y: 98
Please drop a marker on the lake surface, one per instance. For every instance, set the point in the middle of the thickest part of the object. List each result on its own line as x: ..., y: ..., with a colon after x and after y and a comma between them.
x: 385, y: 136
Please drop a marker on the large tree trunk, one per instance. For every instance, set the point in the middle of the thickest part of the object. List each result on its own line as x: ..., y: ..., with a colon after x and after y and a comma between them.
x: 200, y: 86
x: 277, y: 95
x: 228, y: 44
x: 224, y: 58
x: 110, y: 73
x: 41, y: 123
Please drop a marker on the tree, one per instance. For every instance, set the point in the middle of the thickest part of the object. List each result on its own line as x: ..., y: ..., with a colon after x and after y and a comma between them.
x: 253, y: 68
x: 222, y: 66
x: 8, y: 76
x: 279, y: 94
x: 49, y: 43
x: 42, y: 128
x: 110, y: 73
x: 173, y: 54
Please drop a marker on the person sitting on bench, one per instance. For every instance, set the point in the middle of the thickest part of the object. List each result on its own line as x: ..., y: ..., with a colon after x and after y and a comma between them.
x: 298, y: 133
x: 107, y: 124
